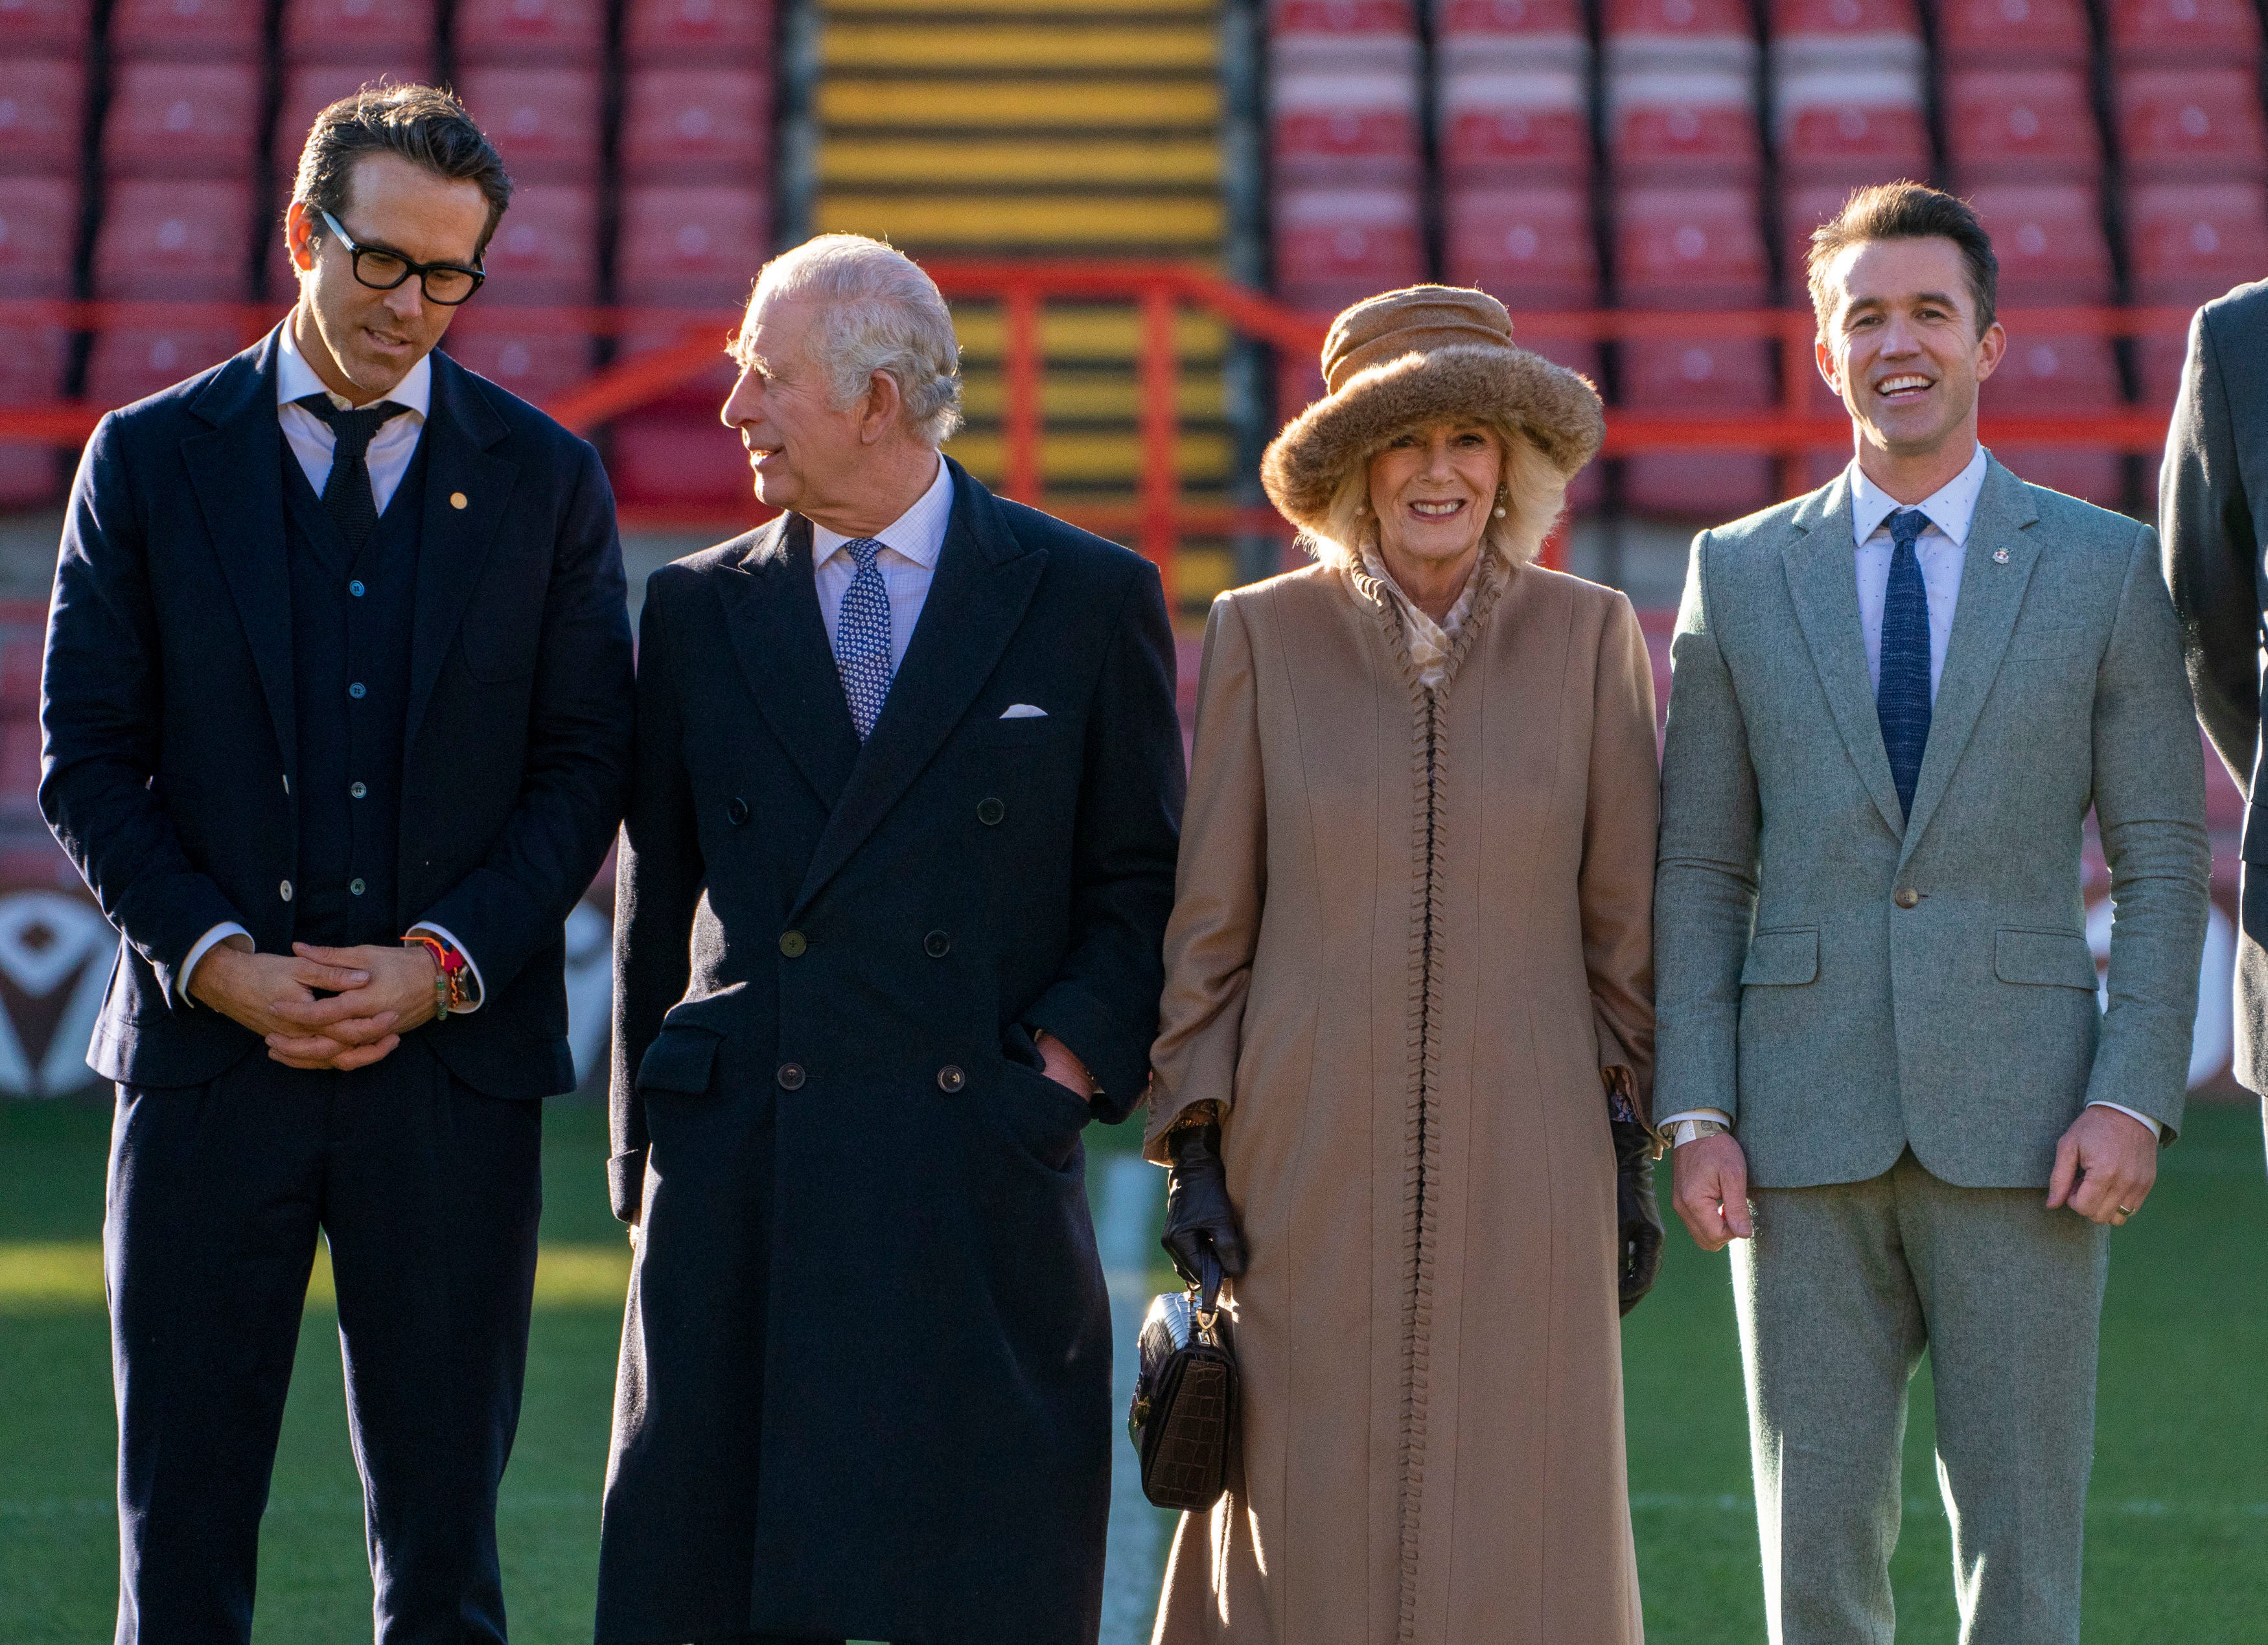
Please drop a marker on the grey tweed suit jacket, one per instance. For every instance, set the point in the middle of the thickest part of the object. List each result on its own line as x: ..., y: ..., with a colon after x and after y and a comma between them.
x: 1847, y: 983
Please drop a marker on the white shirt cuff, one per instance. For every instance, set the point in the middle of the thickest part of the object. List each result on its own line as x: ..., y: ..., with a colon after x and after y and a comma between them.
x: 1669, y: 1126
x: 206, y: 943
x: 2157, y: 1129
x: 480, y: 992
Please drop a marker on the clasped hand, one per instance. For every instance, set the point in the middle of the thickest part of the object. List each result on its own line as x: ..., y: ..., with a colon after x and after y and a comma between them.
x: 376, y: 994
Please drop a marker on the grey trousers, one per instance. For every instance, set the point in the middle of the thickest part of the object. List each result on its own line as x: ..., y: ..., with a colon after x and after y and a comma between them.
x: 1838, y: 1294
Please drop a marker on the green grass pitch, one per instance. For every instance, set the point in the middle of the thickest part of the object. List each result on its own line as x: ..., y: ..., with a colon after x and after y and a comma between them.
x: 2177, y: 1532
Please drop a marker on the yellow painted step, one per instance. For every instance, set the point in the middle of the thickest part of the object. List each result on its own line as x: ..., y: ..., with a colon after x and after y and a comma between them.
x: 974, y: 162
x: 1088, y: 333
x: 1087, y: 456
x: 1015, y: 48
x: 1093, y: 399
x: 1002, y: 221
x: 994, y: 104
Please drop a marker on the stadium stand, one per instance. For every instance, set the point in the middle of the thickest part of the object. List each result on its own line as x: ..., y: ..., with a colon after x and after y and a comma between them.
x: 188, y: 31
x: 40, y: 104
x: 545, y: 122
x: 355, y: 32
x: 184, y: 119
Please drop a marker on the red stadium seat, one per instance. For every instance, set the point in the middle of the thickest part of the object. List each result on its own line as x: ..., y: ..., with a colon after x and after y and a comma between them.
x: 1499, y: 125
x: 39, y: 235
x: 527, y: 33
x: 311, y: 88
x: 1347, y: 126
x: 545, y: 122
x: 2024, y: 127
x: 1529, y: 248
x: 356, y: 31
x: 185, y: 239
x: 183, y: 119
x: 2058, y: 376
x: 1800, y: 211
x: 1667, y: 127
x: 1851, y: 127
x: 1699, y: 377
x: 2186, y: 243
x: 45, y: 29
x: 1679, y: 19
x: 1849, y: 20
x: 535, y: 362
x: 679, y: 458
x: 1289, y: 17
x: 2177, y: 124
x: 188, y: 31
x: 698, y: 33
x: 40, y: 104
x: 546, y: 250
x: 2049, y: 239
x: 1993, y: 33
x: 1474, y: 36
x: 703, y: 392
x: 2183, y: 33
x: 2090, y: 474
x: 1334, y: 246
x: 694, y: 246
x: 1688, y: 248
x: 32, y: 360
x: 697, y: 126
x: 131, y: 363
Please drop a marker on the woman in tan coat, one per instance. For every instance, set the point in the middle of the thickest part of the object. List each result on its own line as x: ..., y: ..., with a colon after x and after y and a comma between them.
x: 1408, y: 1009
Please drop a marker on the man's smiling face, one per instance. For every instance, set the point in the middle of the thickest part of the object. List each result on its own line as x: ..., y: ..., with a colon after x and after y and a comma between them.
x: 1901, y: 343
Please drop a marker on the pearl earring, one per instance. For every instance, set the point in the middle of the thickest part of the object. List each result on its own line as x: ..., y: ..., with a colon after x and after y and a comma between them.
x: 1500, y: 504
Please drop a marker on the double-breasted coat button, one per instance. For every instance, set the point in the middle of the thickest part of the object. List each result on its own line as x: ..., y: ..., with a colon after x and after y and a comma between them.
x: 284, y: 891
x: 1907, y: 898
x: 737, y: 812
x: 990, y: 811
x: 791, y: 1076
x: 950, y: 1078
x: 936, y: 944
x: 792, y: 944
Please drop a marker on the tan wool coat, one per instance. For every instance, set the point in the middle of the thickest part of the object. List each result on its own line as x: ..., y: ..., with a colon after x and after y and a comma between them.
x: 1409, y: 930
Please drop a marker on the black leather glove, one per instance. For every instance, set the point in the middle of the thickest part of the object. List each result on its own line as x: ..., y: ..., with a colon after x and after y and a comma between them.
x: 1200, y: 1223
x: 1637, y: 1219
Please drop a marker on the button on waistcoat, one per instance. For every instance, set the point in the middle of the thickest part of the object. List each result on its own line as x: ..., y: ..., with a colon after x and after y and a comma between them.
x: 352, y: 621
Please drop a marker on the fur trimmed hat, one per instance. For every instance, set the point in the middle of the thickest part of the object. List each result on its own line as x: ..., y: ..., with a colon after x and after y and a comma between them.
x: 1425, y: 354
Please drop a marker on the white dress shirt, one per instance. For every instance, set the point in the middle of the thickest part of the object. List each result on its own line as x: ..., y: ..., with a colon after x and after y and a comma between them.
x: 311, y: 442
x: 1941, y: 549
x: 910, y: 546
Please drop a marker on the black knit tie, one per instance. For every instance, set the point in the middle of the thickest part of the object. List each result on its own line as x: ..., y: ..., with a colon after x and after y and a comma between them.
x: 347, y: 495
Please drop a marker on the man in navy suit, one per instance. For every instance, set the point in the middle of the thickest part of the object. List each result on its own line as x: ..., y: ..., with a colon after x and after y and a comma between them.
x: 895, y: 883
x: 337, y: 716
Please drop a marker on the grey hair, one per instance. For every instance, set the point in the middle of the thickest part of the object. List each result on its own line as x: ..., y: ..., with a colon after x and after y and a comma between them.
x: 880, y: 313
x: 1534, y: 495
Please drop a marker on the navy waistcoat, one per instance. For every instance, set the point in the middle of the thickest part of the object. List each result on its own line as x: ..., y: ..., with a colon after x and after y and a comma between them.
x: 352, y: 622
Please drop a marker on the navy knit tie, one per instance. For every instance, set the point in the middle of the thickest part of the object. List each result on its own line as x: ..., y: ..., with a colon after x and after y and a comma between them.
x: 1901, y: 698
x: 347, y: 495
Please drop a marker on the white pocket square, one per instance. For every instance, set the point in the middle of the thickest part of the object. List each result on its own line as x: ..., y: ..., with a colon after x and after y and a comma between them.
x: 1023, y: 711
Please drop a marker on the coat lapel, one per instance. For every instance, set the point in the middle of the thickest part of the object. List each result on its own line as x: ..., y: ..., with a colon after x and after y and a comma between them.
x: 237, y: 471
x: 456, y: 542
x: 1984, y: 619
x: 771, y: 610
x: 1822, y: 577
x: 984, y: 581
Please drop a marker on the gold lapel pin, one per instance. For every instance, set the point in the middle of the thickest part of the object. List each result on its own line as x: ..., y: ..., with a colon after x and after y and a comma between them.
x: 457, y: 501
x: 2000, y: 555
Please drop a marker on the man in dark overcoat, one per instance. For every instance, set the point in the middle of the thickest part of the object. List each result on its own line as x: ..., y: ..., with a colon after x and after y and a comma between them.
x: 337, y: 714
x: 2213, y: 512
x: 895, y: 882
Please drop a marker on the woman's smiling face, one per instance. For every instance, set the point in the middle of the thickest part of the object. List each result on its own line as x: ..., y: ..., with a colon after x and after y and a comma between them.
x: 1433, y: 490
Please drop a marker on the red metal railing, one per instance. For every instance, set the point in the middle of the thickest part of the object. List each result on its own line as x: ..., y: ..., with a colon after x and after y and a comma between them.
x: 1160, y: 517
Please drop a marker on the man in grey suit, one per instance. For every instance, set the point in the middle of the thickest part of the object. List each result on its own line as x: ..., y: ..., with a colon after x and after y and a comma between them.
x: 2216, y: 464
x: 1879, y: 1052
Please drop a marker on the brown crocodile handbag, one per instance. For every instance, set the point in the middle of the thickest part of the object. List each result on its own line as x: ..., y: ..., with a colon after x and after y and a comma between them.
x: 1183, y: 1422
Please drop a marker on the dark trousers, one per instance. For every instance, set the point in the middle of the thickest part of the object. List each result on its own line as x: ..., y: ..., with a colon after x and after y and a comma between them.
x: 429, y: 1194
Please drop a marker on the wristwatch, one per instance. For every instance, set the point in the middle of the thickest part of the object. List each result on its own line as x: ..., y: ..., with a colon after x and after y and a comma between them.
x: 1693, y: 1130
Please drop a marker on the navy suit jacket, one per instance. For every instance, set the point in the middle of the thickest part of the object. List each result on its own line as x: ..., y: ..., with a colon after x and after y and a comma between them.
x: 167, y: 711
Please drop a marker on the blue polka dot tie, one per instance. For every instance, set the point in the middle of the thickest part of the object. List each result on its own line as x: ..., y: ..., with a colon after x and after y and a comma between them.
x: 862, y: 636
x: 1902, y: 696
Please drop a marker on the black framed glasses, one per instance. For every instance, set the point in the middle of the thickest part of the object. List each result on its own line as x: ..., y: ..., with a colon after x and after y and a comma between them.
x: 445, y: 283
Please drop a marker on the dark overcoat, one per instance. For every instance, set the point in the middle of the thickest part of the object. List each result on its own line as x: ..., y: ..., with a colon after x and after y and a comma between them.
x: 865, y: 1373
